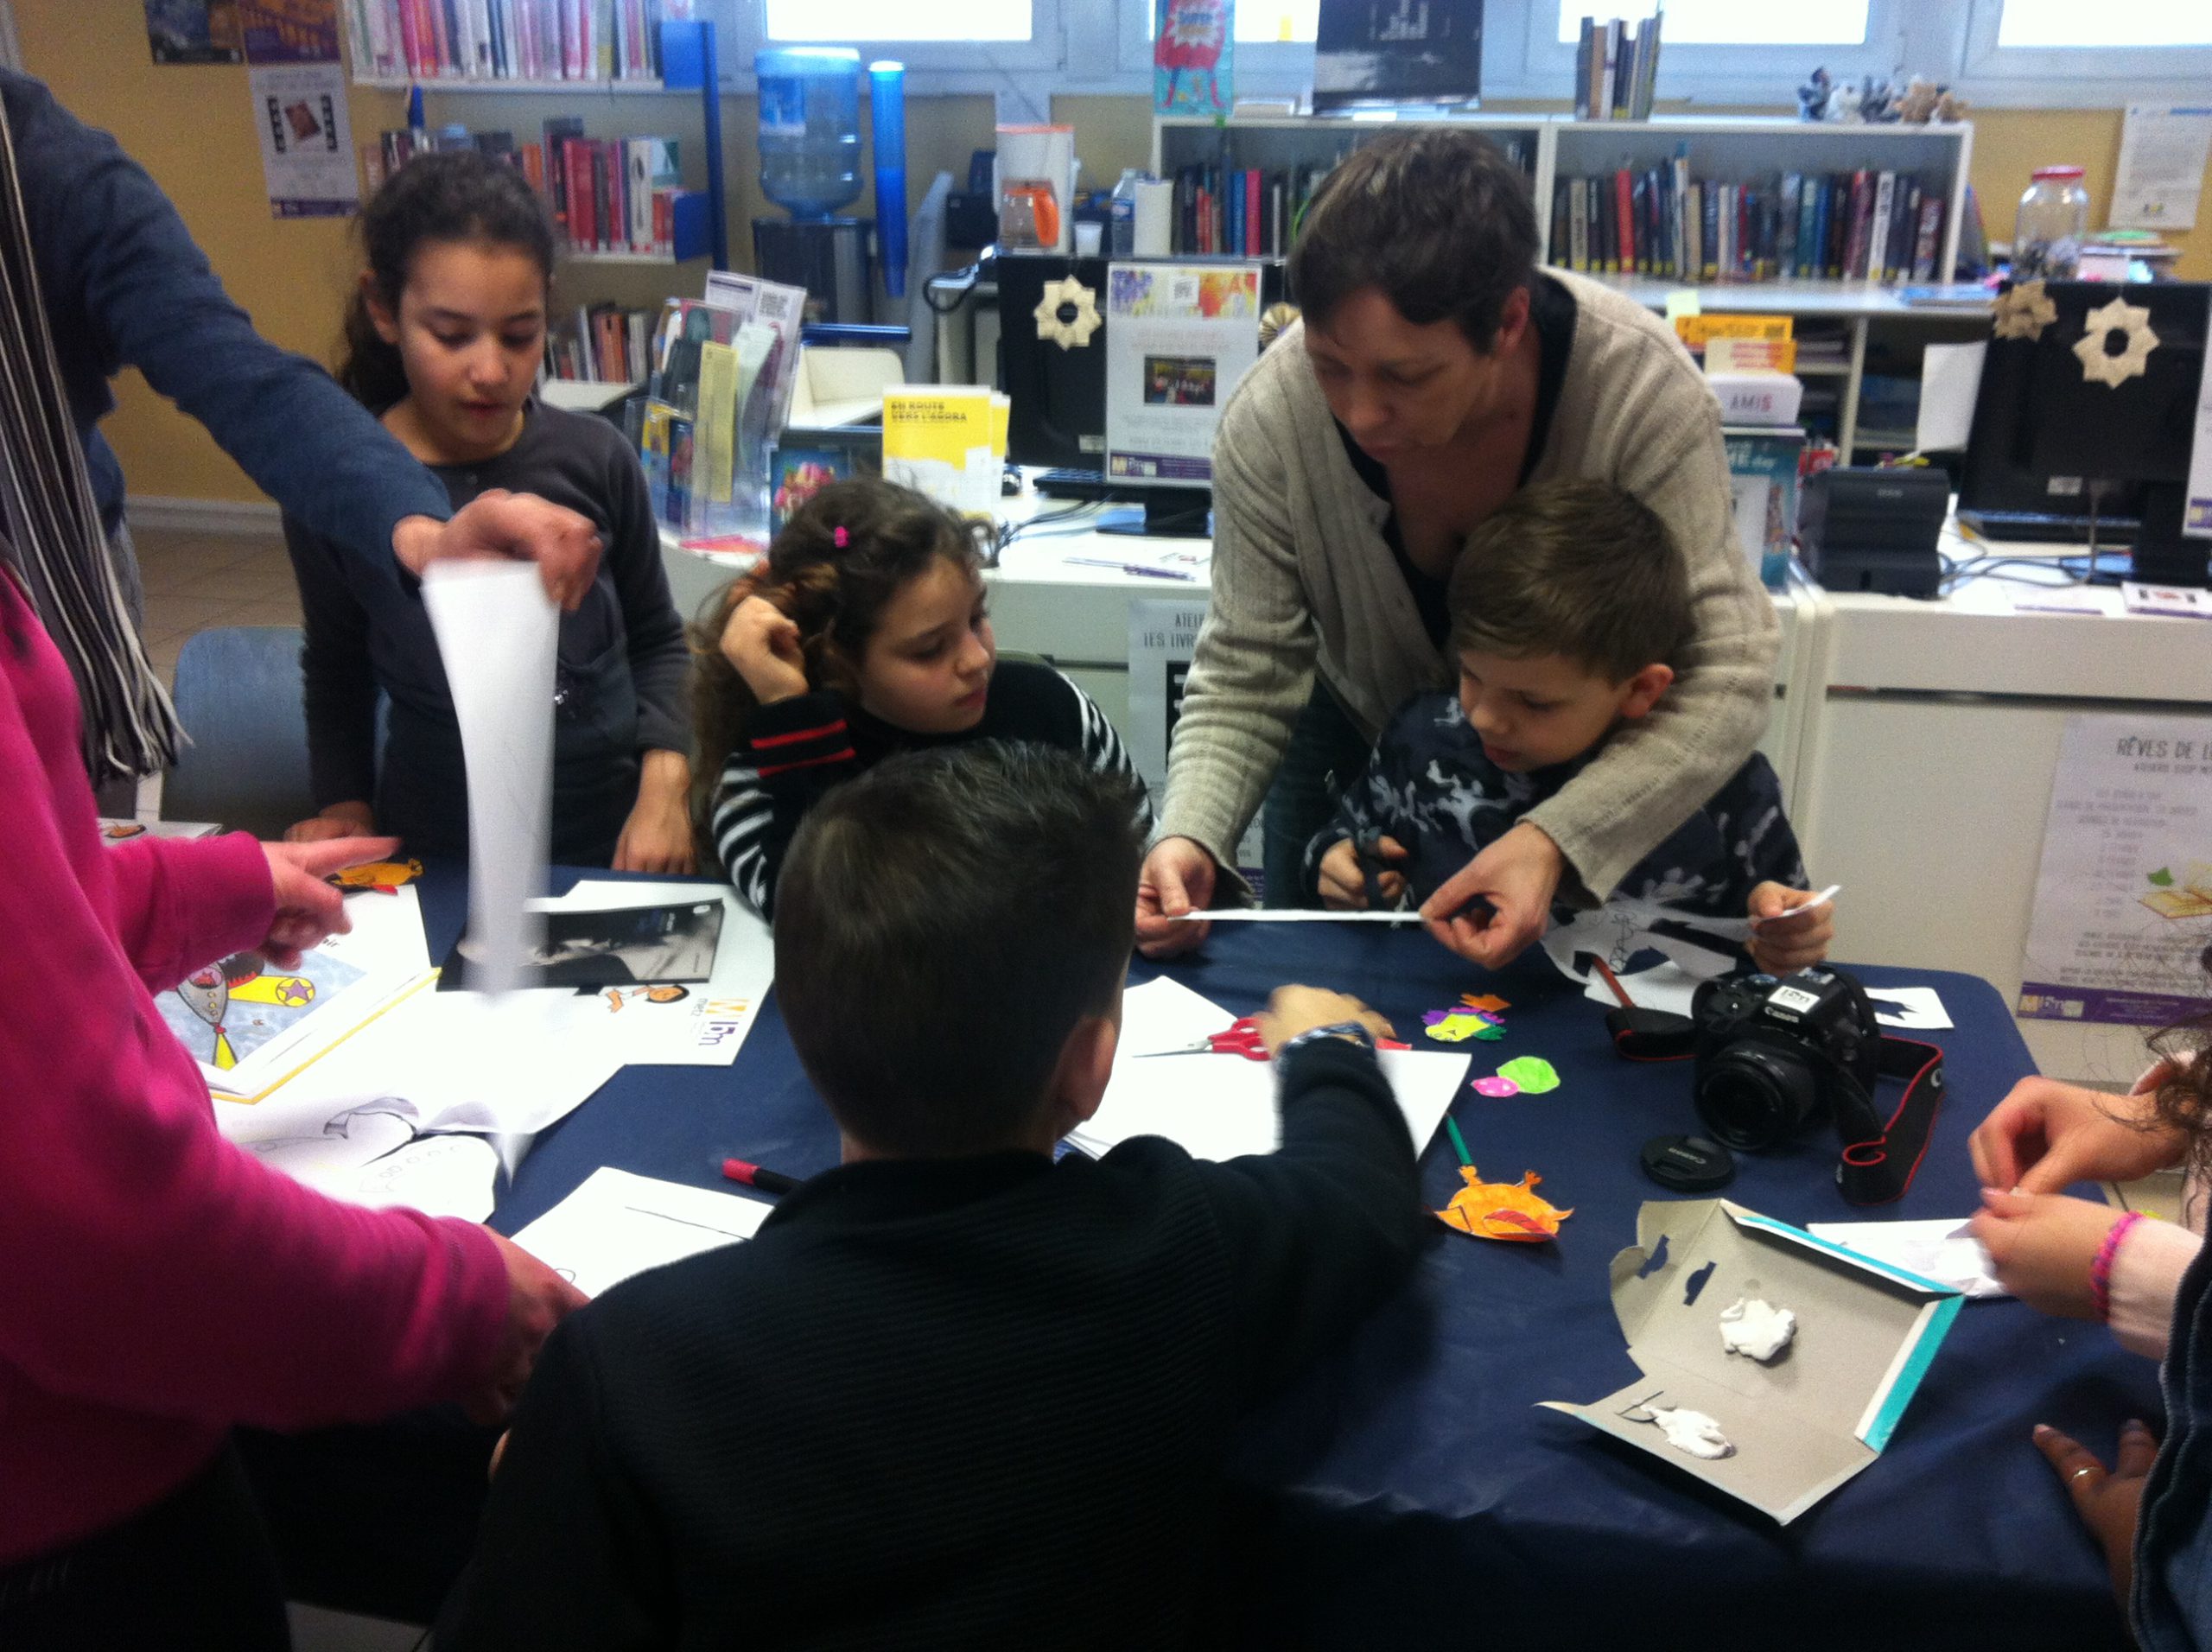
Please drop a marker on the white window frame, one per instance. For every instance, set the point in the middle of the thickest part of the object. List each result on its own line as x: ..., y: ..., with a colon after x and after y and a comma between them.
x: 2079, y: 76
x: 1761, y: 75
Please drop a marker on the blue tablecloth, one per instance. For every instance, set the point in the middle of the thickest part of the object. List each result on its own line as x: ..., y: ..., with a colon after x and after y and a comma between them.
x: 1410, y: 1491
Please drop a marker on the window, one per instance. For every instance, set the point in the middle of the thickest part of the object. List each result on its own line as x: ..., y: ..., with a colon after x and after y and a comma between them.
x: 2068, y: 23
x: 1733, y: 22
x: 836, y: 20
x: 1257, y: 23
x: 2064, y: 53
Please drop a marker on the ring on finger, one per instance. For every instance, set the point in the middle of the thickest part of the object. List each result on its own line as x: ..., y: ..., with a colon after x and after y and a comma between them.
x: 2078, y: 1473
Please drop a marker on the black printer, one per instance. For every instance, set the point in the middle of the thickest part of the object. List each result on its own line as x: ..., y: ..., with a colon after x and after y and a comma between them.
x: 1869, y: 530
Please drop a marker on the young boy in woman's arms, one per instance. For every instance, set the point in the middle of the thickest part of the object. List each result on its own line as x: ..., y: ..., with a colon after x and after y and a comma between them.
x: 1566, y: 606
x: 954, y: 1394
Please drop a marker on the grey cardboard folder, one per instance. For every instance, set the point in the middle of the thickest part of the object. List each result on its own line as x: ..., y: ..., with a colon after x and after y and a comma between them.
x: 1824, y: 1407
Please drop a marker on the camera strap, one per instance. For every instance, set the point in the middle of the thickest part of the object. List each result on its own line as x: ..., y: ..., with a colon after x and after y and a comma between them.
x: 1881, y: 1154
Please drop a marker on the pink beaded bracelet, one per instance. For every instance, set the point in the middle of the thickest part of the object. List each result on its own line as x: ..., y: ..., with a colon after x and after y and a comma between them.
x: 2101, y: 1269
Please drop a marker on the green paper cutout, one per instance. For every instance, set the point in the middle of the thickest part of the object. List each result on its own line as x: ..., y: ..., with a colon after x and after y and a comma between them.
x: 1533, y: 1073
x: 1488, y: 1034
x: 2162, y: 877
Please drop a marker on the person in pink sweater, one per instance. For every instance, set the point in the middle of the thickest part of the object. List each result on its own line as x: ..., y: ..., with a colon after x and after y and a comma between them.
x: 2081, y: 1259
x: 157, y: 1285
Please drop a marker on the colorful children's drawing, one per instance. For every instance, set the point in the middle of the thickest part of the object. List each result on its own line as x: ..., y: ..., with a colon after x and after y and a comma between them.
x: 1192, y: 53
x: 1458, y: 1024
x: 1510, y: 1210
x: 226, y: 1012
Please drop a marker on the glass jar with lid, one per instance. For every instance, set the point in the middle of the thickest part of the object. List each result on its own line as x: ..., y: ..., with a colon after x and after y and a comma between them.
x: 2052, y: 223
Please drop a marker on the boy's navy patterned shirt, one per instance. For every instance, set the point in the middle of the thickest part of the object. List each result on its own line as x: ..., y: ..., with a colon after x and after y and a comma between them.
x: 1429, y: 786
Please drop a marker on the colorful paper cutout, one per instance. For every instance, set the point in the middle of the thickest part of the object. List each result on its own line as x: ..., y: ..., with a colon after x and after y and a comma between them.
x: 1511, y: 1211
x: 1484, y: 1000
x: 383, y: 876
x: 1498, y: 1085
x: 1458, y: 1024
x: 1533, y: 1074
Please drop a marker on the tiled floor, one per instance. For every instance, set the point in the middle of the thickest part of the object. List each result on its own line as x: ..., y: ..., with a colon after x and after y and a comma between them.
x: 197, y: 580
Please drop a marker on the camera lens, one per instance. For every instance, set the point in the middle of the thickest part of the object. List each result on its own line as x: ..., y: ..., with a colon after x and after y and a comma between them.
x: 1753, y: 1097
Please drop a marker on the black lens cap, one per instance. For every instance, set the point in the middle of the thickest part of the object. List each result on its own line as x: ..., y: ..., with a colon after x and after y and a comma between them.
x: 1688, y: 1164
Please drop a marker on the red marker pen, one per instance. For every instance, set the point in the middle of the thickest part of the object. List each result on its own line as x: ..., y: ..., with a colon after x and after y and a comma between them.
x: 768, y: 1181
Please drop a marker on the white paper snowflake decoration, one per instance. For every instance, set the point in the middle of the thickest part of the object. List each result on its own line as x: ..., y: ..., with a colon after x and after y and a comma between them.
x: 2119, y: 316
x: 1075, y: 332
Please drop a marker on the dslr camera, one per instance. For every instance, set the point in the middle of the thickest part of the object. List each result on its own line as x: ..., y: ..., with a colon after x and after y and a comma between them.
x: 1776, y: 1058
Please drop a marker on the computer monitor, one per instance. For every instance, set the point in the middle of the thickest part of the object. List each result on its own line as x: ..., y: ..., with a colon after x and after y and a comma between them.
x: 1058, y: 415
x: 2056, y: 454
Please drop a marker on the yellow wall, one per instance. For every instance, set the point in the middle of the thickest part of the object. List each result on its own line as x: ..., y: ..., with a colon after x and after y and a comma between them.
x: 192, y: 129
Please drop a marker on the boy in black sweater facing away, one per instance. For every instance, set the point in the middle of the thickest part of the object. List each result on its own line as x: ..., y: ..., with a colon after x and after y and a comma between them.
x: 953, y: 1394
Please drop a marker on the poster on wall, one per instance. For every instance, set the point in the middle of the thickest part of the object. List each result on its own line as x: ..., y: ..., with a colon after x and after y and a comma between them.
x: 1380, y: 53
x: 1193, y: 57
x: 194, y: 31
x: 307, y: 140
x: 1179, y: 339
x: 2161, y: 172
x: 1163, y: 636
x: 290, y: 31
x: 2124, y: 895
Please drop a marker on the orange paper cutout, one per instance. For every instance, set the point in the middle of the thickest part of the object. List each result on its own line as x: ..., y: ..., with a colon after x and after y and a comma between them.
x: 383, y: 876
x: 1490, y: 1001
x: 1507, y: 1210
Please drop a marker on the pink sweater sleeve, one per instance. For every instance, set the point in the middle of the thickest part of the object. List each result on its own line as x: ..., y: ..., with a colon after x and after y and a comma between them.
x: 2146, y: 1274
x: 149, y: 1264
x: 181, y: 903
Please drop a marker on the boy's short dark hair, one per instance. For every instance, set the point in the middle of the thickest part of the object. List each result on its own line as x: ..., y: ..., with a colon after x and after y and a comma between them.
x: 1576, y: 567
x: 1442, y: 223
x: 942, y: 922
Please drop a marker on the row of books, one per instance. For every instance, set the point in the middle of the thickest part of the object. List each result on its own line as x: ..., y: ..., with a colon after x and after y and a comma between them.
x: 603, y: 342
x: 605, y: 194
x: 1615, y: 69
x: 1882, y: 226
x: 510, y: 40
x: 1253, y: 212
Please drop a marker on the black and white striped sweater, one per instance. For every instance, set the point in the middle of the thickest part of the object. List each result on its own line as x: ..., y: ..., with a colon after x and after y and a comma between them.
x: 797, y: 749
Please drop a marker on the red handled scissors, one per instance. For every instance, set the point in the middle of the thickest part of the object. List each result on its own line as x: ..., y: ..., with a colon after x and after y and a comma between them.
x: 1243, y: 1039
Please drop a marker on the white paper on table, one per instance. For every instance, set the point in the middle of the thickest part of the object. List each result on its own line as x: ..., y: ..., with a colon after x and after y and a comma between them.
x: 498, y: 631
x: 439, y: 1175
x: 1292, y: 915
x: 1699, y: 946
x: 1909, y: 1007
x: 1950, y: 379
x: 1939, y: 1250
x: 707, y: 1026
x: 617, y: 1225
x: 1219, y: 1106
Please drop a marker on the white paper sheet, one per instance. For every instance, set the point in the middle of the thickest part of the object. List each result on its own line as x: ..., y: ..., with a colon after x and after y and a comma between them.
x: 1917, y: 1008
x: 1667, y: 985
x: 1699, y: 946
x: 366, y: 1150
x: 497, y: 632
x: 1939, y: 1250
x: 617, y: 1225
x: 1950, y: 379
x: 439, y: 1175
x: 2161, y: 170
x: 1223, y: 1106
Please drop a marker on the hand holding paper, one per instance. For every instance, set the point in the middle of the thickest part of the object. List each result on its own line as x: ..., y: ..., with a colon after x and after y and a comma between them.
x: 1517, y: 876
x: 500, y: 525
x: 309, y: 910
x: 497, y: 634
x: 2046, y: 1136
x: 2042, y: 1247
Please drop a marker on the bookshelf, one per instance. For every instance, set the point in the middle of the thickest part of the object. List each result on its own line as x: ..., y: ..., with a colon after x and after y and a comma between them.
x: 699, y: 232
x: 1851, y: 316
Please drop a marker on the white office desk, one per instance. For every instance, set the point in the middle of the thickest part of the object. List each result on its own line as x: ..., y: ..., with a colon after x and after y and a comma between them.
x: 1925, y: 768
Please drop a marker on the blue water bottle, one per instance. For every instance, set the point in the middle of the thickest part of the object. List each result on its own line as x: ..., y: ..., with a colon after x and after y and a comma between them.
x: 809, y: 127
x: 886, y: 84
